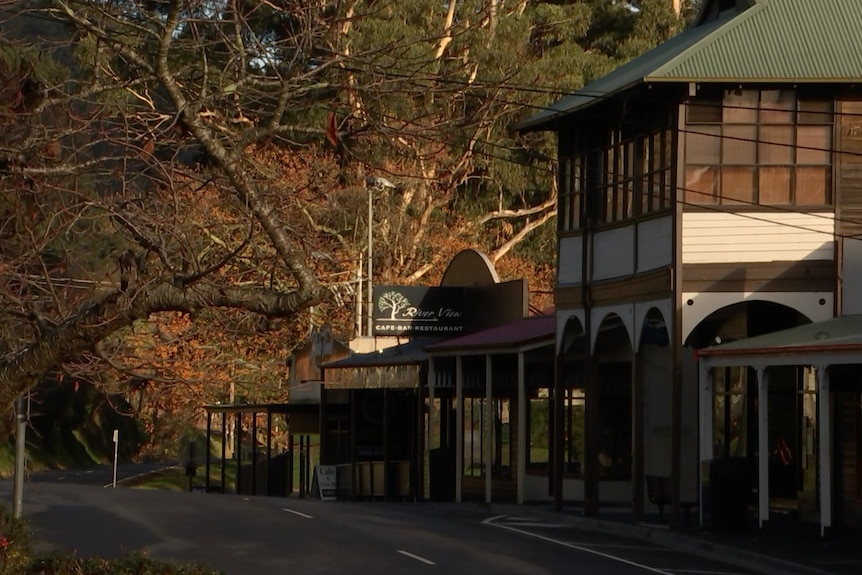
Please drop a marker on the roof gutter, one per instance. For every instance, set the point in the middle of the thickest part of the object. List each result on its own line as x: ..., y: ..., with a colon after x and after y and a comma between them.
x: 716, y: 352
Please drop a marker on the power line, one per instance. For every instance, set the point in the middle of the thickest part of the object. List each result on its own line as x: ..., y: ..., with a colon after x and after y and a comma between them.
x: 600, y: 97
x: 750, y: 215
x: 581, y: 92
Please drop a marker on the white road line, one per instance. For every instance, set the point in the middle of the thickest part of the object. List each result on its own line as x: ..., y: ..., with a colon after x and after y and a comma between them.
x: 296, y: 513
x: 416, y: 557
x: 621, y: 546
x: 490, y: 522
x: 706, y: 572
x: 538, y: 524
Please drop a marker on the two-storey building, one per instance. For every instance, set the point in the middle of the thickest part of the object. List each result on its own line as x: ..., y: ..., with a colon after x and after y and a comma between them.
x: 710, y: 190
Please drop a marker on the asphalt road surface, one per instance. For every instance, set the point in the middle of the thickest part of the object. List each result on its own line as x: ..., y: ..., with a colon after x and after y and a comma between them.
x: 101, y: 475
x: 255, y: 535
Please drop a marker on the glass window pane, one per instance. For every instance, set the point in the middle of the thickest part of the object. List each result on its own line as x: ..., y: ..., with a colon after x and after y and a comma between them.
x: 565, y: 191
x: 703, y: 110
x: 812, y: 144
x: 619, y: 163
x: 616, y: 210
x: 700, y: 184
x: 775, y: 185
x: 738, y: 379
x: 668, y: 154
x: 737, y: 432
x: 776, y: 106
x: 574, y: 440
x: 577, y: 173
x: 776, y: 145
x: 737, y: 185
x: 740, y: 107
x: 614, y: 439
x: 653, y: 159
x: 575, y: 219
x: 608, y: 205
x: 539, y: 426
x: 815, y: 112
x: 653, y: 191
x: 703, y: 146
x: 501, y: 439
x: 610, y: 165
x: 629, y: 161
x: 564, y: 213
x: 811, y: 186
x: 739, y: 145
x: 628, y: 199
x: 664, y: 189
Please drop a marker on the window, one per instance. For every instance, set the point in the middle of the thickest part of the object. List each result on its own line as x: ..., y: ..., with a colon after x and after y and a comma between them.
x: 618, y: 185
x: 749, y: 147
x: 571, y: 193
x: 655, y: 194
x: 540, y: 430
x: 730, y: 414
x: 614, y: 434
x: 539, y: 436
x: 476, y: 414
x: 614, y: 441
x: 627, y: 177
x: 636, y: 177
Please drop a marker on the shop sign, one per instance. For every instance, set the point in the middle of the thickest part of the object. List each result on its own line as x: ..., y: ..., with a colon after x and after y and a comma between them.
x: 420, y: 311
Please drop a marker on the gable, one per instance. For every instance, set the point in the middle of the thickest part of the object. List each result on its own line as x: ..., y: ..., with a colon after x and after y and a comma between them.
x: 770, y: 42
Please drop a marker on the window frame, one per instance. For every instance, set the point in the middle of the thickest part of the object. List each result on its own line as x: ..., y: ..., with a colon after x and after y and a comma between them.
x: 777, y: 180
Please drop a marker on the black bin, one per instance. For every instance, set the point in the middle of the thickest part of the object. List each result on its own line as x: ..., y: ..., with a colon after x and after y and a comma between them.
x: 441, y: 462
x: 729, y: 492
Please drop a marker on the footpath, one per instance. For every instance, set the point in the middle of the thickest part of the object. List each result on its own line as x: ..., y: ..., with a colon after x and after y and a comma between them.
x: 786, y: 546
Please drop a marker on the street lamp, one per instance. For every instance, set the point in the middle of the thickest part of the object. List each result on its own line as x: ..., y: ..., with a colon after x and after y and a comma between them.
x: 373, y: 183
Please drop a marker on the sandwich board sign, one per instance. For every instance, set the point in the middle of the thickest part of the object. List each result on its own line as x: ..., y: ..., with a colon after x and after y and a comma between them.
x: 324, y: 484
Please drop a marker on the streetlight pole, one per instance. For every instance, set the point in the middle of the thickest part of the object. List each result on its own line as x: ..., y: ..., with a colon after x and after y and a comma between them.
x: 373, y: 183
x: 370, y: 260
x: 20, y: 456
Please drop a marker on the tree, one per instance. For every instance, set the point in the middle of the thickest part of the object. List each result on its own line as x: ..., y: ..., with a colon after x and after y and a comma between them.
x: 173, y: 174
x: 112, y: 174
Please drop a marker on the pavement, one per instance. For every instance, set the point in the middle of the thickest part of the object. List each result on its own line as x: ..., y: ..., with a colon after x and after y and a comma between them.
x: 784, y: 546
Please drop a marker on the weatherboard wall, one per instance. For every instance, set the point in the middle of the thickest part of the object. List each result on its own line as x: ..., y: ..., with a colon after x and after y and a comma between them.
x: 757, y: 236
x: 618, y: 252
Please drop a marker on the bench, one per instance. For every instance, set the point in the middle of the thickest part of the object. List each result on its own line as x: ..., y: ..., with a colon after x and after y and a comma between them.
x: 659, y: 494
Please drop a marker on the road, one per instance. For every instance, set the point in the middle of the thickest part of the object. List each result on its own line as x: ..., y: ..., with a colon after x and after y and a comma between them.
x: 251, y: 535
x: 101, y: 475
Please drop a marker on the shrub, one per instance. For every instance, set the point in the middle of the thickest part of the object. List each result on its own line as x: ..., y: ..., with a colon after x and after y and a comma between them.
x: 15, y: 551
x: 133, y: 564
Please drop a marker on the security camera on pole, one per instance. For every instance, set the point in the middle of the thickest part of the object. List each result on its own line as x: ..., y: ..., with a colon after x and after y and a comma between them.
x: 373, y: 183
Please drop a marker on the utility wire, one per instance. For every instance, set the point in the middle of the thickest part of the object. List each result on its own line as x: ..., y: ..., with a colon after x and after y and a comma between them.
x: 599, y: 97
x: 727, y: 210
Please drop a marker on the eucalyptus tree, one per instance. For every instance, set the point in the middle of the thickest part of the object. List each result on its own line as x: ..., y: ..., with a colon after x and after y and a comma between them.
x: 129, y: 182
x: 192, y: 156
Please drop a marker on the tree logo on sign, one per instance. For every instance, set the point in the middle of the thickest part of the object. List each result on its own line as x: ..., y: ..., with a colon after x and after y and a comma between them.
x: 393, y: 301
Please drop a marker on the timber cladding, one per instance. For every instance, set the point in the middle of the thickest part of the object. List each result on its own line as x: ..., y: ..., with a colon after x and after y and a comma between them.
x: 642, y: 287
x: 801, y: 276
x: 848, y: 185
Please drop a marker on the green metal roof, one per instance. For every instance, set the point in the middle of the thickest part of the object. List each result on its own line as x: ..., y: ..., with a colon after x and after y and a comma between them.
x: 774, y: 41
x: 839, y: 334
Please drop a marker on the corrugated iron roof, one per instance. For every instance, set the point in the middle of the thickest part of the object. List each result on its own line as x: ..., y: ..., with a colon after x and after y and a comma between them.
x: 839, y: 334
x: 526, y: 332
x: 777, y: 41
x: 774, y: 41
x: 408, y: 353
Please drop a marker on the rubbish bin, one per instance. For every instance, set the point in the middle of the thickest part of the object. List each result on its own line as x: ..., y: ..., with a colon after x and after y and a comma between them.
x: 729, y: 491
x: 442, y: 474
